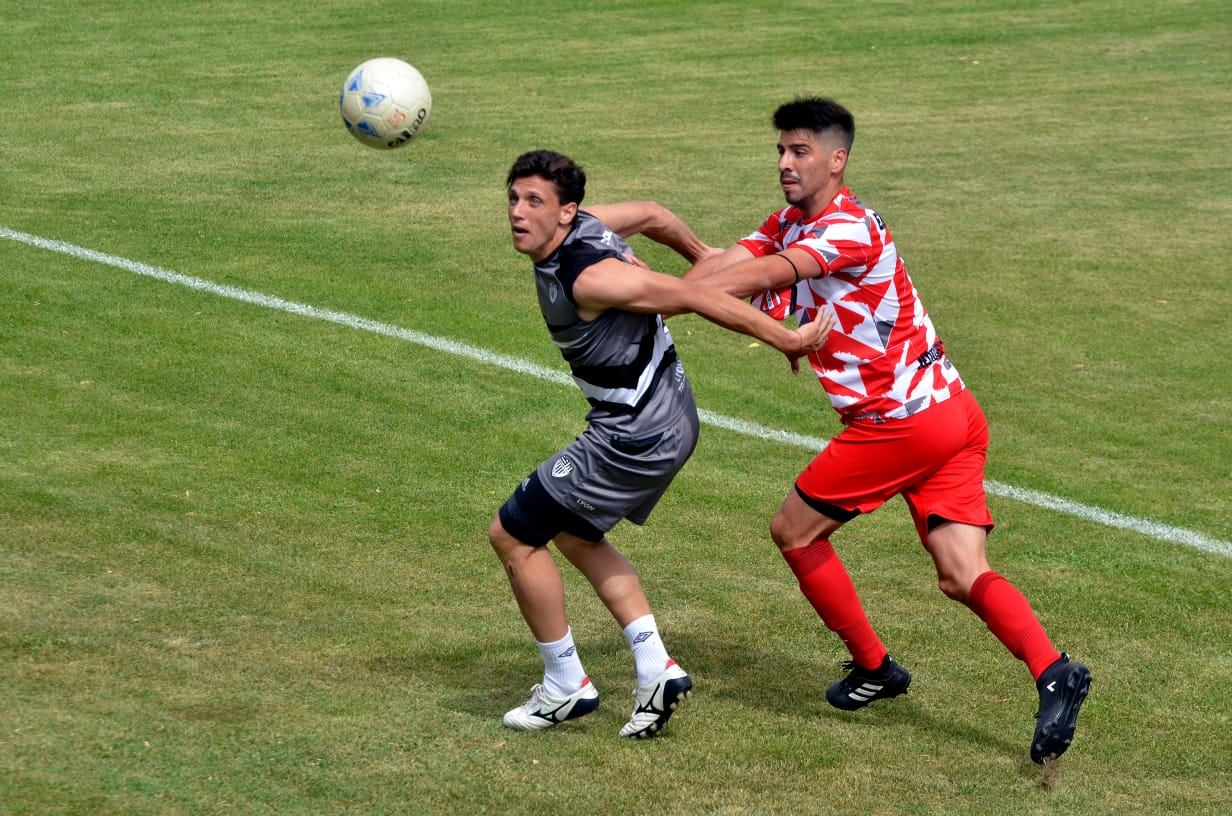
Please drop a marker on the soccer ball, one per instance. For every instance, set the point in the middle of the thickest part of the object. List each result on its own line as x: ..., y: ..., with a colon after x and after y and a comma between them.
x: 384, y: 103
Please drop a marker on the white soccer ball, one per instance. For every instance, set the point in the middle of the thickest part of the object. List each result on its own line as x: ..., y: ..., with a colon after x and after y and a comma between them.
x: 385, y: 103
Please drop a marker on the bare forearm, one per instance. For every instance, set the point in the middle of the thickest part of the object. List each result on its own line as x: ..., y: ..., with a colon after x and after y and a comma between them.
x: 668, y: 229
x: 704, y: 268
x: 736, y: 315
x: 656, y: 222
x: 751, y: 276
x: 718, y: 262
x: 612, y: 283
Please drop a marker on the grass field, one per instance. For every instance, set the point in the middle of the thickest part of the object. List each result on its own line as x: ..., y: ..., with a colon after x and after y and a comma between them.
x: 243, y: 566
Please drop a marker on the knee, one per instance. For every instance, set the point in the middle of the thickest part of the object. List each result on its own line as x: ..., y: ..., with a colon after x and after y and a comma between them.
x: 782, y: 534
x: 502, y: 542
x: 958, y: 553
x: 954, y: 585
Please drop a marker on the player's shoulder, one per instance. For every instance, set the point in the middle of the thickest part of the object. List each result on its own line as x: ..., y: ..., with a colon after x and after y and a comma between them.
x: 585, y: 226
x: 849, y: 215
x: 852, y: 208
x: 592, y: 234
x: 588, y: 242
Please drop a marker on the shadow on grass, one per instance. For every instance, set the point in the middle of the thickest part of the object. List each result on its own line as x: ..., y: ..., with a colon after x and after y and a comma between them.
x: 781, y: 681
x: 481, y: 680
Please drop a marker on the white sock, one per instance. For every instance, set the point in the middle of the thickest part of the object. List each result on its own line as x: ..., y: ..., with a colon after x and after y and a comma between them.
x: 562, y: 669
x: 648, y: 650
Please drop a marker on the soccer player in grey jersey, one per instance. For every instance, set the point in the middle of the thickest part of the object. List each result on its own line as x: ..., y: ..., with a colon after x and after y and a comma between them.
x: 604, y: 311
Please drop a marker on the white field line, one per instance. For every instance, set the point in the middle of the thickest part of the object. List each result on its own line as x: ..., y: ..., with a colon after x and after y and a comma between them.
x: 1156, y: 530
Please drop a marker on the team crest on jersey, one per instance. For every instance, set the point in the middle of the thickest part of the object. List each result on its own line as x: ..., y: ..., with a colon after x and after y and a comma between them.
x: 562, y: 467
x: 553, y: 291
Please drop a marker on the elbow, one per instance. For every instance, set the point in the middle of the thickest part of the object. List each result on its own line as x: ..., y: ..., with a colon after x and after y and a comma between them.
x: 655, y: 218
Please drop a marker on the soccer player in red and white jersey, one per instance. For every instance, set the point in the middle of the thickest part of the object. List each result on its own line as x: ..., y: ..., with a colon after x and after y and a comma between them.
x: 912, y: 427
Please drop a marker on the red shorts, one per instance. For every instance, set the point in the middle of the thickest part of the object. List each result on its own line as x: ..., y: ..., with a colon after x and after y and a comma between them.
x: 935, y: 459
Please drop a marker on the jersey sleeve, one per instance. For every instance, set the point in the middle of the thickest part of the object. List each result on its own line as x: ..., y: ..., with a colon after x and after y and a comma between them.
x: 763, y: 240
x: 778, y: 303
x: 841, y: 244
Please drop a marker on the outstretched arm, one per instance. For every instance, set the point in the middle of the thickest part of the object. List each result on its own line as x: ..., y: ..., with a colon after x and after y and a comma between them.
x: 738, y: 272
x: 614, y: 284
x: 657, y: 223
x: 708, y: 266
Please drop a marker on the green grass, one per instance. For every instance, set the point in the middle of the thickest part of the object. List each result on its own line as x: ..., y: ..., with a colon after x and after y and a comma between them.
x: 242, y: 556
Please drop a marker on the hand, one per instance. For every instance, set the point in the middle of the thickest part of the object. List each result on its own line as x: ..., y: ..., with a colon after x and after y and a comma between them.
x: 636, y: 261
x: 814, y: 333
x: 810, y: 337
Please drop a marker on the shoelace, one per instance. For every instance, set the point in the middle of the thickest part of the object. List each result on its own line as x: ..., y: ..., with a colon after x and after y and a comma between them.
x: 536, y: 692
x: 850, y: 681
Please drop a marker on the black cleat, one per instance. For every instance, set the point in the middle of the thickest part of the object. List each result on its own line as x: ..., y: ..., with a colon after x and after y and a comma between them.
x: 862, y: 686
x: 1062, y: 688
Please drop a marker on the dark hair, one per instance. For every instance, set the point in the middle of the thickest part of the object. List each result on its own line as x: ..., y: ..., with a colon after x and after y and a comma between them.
x: 817, y: 114
x: 567, y: 176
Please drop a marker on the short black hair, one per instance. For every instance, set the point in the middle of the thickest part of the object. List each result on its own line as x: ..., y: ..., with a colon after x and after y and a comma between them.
x: 568, y: 176
x: 817, y: 114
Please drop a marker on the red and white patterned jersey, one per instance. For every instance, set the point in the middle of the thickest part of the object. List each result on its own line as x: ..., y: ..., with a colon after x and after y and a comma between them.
x: 883, y: 359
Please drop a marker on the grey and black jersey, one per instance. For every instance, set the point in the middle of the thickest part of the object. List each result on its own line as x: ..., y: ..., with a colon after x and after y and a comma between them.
x: 624, y: 362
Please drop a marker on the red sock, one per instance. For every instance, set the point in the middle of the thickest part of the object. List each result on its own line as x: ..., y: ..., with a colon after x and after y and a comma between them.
x: 1009, y: 616
x: 825, y: 583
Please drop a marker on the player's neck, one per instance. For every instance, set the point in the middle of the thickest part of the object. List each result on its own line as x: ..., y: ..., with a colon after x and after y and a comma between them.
x: 818, y: 202
x: 558, y: 238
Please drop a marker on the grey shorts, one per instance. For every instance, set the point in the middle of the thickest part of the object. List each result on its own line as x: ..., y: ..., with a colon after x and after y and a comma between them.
x: 603, y: 478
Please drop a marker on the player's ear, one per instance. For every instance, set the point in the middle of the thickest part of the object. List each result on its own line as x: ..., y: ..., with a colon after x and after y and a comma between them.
x: 568, y: 213
x: 838, y: 160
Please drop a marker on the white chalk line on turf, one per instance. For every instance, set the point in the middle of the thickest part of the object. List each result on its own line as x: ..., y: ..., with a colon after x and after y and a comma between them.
x: 1156, y: 530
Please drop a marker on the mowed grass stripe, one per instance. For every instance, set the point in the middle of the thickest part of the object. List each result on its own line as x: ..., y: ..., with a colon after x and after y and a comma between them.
x: 1147, y: 527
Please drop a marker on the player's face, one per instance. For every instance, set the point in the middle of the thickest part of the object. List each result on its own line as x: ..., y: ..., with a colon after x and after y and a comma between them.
x: 807, y: 165
x: 536, y: 217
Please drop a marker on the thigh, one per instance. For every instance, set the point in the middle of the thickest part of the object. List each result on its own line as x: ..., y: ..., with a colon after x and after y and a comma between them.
x: 602, y: 477
x: 868, y: 463
x: 955, y: 491
x: 674, y: 451
x: 533, y: 517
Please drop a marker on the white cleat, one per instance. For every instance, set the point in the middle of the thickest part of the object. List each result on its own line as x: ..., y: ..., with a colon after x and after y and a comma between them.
x: 542, y: 711
x: 654, y: 704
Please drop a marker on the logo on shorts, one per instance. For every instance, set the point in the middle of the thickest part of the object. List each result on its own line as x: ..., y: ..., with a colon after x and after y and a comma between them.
x: 585, y: 505
x: 562, y: 467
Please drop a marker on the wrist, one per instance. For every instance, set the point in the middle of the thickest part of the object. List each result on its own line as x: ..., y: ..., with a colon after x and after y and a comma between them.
x: 695, y: 250
x: 795, y: 343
